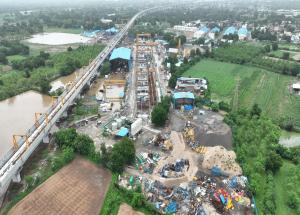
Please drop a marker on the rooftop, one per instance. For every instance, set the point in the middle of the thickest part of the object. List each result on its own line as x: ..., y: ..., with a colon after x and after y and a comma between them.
x: 243, y: 31
x: 121, y: 53
x: 185, y: 95
x: 230, y: 30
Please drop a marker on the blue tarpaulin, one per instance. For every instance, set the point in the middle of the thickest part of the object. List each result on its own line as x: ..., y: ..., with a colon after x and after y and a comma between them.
x: 188, y: 107
x: 122, y: 132
x: 172, y: 207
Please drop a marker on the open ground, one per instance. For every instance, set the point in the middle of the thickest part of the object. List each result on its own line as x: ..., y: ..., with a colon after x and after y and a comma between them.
x: 78, y: 188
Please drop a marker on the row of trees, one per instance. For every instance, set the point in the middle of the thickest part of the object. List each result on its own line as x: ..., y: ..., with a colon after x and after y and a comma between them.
x: 258, y: 152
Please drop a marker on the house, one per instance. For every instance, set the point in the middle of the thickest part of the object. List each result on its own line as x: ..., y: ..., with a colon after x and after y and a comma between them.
x: 191, y: 84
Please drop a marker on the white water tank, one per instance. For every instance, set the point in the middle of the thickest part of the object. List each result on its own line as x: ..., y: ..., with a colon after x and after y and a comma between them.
x: 119, y: 122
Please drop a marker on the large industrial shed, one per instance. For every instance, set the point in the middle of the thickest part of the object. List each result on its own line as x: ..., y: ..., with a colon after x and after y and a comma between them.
x: 180, y: 99
x: 120, y: 59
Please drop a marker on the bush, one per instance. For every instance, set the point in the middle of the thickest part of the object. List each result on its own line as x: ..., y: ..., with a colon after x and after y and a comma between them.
x: 224, y: 106
x: 84, y: 145
x: 214, y: 107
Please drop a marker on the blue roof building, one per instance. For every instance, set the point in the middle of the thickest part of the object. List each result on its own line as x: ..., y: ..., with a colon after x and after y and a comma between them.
x: 90, y: 33
x: 204, y: 29
x: 215, y: 30
x: 120, y: 58
x: 112, y: 30
x: 181, y: 99
x: 230, y: 30
x: 121, y: 53
x: 243, y: 32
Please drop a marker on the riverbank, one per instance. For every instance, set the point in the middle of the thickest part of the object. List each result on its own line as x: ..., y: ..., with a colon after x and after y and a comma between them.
x: 16, y: 82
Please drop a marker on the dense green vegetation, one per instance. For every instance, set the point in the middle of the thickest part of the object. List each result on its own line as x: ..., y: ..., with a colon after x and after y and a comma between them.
x: 264, y: 161
x: 117, y: 195
x: 160, y: 112
x: 10, y: 48
x: 243, y: 86
x: 237, y: 53
x: 16, y: 82
x: 121, y: 155
x: 70, y: 140
x: 243, y: 53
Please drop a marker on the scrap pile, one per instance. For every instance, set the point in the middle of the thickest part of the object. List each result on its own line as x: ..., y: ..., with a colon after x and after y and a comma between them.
x: 145, y: 162
x: 175, y: 170
x: 195, y: 196
x: 189, y: 136
x: 161, y: 140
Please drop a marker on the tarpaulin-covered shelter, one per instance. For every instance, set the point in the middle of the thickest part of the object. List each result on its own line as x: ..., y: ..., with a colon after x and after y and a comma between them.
x: 120, y: 58
x: 183, y: 98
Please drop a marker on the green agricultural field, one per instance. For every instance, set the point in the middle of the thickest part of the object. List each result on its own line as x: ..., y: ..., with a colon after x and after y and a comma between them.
x: 281, y: 180
x: 269, y: 90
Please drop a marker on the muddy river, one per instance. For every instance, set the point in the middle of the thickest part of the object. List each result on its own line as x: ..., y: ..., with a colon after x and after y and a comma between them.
x: 17, y: 113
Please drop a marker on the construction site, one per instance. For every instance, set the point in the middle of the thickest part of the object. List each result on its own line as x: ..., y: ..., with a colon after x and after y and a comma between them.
x: 181, y: 173
x: 146, y: 95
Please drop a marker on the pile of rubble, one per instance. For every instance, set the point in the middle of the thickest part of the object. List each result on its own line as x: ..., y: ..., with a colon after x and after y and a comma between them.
x: 175, y: 170
x: 161, y: 140
x: 193, y: 197
x: 219, y: 157
x: 189, y: 137
x: 146, y: 162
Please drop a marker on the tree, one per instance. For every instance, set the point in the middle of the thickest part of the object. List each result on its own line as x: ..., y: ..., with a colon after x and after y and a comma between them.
x: 285, y: 55
x: 65, y: 137
x: 159, y: 116
x: 45, y: 86
x: 122, y: 153
x: 215, y: 107
x: 273, y: 161
x: 274, y: 46
x: 198, y: 52
x: 255, y: 111
x: 84, y: 145
x: 268, y: 48
x: 69, y: 49
x: 3, y: 58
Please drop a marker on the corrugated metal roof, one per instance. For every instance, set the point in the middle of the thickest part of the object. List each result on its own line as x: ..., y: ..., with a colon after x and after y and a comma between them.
x: 215, y: 30
x: 230, y: 30
x: 183, y: 95
x: 112, y: 30
x: 122, y: 53
x: 204, y: 29
x: 243, y: 31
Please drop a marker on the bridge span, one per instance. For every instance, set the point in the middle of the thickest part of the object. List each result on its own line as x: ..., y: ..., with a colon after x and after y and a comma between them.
x: 10, y: 169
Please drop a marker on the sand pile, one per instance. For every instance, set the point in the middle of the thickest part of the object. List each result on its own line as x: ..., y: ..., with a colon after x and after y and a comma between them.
x: 220, y: 157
